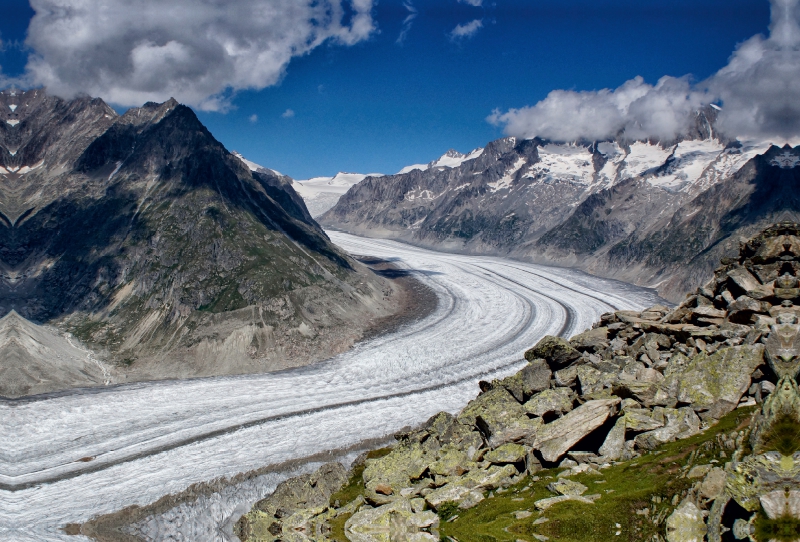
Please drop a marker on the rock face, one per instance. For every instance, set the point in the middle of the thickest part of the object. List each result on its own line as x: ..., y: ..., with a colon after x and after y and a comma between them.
x: 159, y: 250
x: 638, y: 381
x: 652, y: 213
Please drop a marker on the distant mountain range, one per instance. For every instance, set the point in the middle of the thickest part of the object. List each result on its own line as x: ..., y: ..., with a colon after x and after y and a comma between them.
x: 141, y: 241
x: 649, y: 212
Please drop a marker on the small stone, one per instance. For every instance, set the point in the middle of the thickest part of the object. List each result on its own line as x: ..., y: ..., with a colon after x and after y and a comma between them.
x: 522, y: 514
x: 383, y: 489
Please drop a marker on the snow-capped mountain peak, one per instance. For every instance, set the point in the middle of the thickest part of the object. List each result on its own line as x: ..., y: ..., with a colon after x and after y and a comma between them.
x: 450, y: 159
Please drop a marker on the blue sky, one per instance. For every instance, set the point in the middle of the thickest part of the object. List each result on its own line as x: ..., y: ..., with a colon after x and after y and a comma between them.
x: 383, y: 103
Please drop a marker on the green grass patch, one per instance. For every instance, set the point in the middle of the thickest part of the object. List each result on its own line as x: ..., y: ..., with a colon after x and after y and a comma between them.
x: 783, y: 435
x: 784, y: 529
x: 637, y: 495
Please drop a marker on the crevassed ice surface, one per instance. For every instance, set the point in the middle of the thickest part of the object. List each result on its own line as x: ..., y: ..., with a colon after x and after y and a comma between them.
x: 66, y: 459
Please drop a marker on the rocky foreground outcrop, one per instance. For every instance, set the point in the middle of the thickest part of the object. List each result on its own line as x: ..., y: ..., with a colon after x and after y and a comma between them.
x: 633, y: 383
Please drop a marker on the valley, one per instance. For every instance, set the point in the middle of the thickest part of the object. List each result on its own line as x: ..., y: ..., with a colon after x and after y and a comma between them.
x: 67, y: 459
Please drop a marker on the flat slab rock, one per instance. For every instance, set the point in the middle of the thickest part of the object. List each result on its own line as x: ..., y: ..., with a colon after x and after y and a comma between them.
x: 554, y: 439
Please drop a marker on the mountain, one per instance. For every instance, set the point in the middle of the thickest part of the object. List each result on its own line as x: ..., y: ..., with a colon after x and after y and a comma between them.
x: 322, y: 193
x: 157, y: 252
x: 649, y: 212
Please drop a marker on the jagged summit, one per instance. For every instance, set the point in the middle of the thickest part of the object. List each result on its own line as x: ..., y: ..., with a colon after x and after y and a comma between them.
x: 657, y: 213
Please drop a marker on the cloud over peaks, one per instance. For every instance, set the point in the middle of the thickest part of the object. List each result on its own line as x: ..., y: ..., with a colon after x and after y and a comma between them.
x: 757, y: 90
x: 198, y: 51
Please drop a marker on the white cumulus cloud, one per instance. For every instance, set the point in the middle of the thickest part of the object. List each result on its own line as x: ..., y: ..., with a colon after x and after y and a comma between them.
x: 197, y: 51
x: 757, y: 90
x: 289, y: 113
x: 466, y: 30
x: 253, y: 118
x: 476, y: 3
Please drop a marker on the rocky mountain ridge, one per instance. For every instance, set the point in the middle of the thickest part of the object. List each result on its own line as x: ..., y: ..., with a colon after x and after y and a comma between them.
x: 618, y: 208
x: 159, y: 251
x: 603, y: 405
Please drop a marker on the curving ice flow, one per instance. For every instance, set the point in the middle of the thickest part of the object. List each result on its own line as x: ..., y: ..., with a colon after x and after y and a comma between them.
x: 66, y: 459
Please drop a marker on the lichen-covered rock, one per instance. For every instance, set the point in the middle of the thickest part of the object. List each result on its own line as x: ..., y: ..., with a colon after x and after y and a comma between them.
x: 566, y: 377
x: 558, y: 401
x: 477, y: 480
x: 395, y: 521
x: 713, y: 484
x: 640, y: 420
x: 590, y: 340
x: 499, y: 417
x: 301, y: 494
x: 566, y: 486
x: 395, y: 471
x: 686, y: 524
x: 678, y: 423
x: 557, y: 352
x: 451, y: 460
x: 591, y: 380
x: 713, y: 384
x: 614, y: 443
x: 506, y: 453
x: 554, y: 439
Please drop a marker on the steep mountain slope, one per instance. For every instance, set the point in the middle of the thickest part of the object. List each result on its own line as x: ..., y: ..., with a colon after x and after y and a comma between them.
x: 145, y: 238
x: 615, y: 208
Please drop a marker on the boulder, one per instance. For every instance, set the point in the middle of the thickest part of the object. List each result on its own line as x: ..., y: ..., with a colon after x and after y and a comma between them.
x: 686, y: 524
x: 615, y: 441
x: 714, y: 484
x: 386, y: 476
x: 395, y: 521
x: 554, y: 439
x: 305, y: 491
x: 591, y: 380
x: 678, y: 423
x: 558, y: 400
x: 499, y: 417
x: 533, y: 378
x: 565, y: 486
x: 557, y: 352
x: 567, y: 377
x: 640, y: 420
x: 451, y: 460
x: 478, y: 480
x: 713, y: 383
x: 590, y: 340
x: 293, y: 505
x: 506, y: 453
x: 743, y: 278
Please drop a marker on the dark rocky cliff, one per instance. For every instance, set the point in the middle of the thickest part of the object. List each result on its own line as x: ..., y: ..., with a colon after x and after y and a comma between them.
x: 144, y: 237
